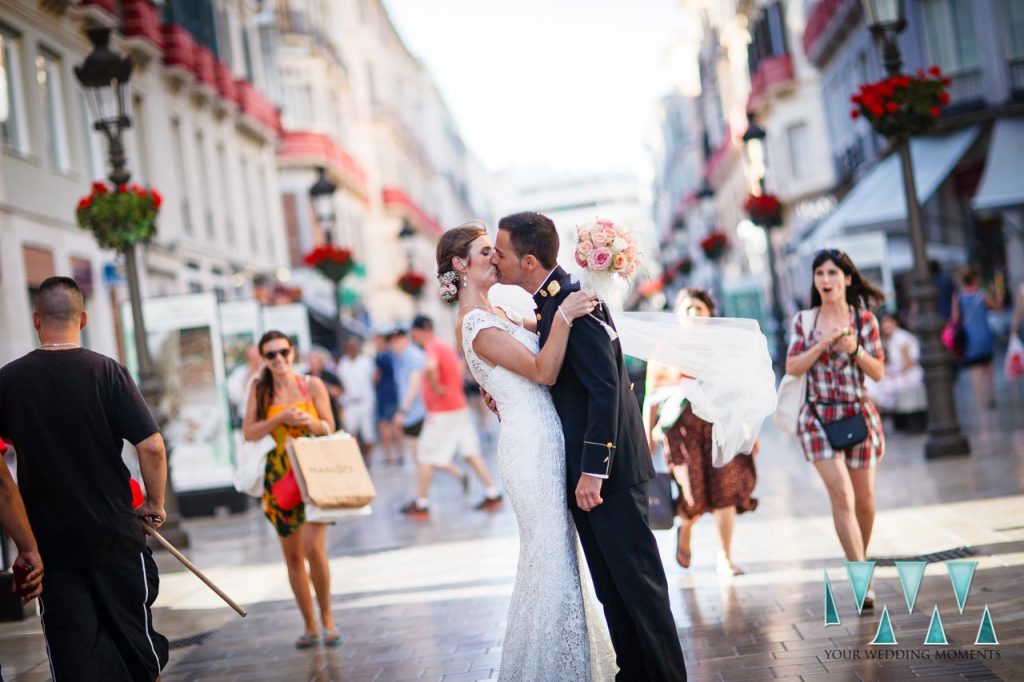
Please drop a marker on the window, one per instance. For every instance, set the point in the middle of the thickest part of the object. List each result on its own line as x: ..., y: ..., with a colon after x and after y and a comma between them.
x: 1015, y: 27
x: 136, y: 139
x: 12, y: 113
x: 225, y: 193
x: 247, y: 202
x: 950, y: 34
x: 799, y: 147
x: 204, y: 179
x: 177, y: 142
x: 52, y: 95
x: 94, y: 158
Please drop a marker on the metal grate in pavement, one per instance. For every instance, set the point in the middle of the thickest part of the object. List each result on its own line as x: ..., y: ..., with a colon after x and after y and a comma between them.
x: 194, y: 640
x: 934, y: 557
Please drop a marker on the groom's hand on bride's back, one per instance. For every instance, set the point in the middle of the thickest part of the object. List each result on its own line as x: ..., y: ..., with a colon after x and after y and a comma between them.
x: 588, y: 492
x: 489, y: 401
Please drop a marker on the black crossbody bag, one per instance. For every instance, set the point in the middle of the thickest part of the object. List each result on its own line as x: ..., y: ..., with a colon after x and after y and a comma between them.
x: 845, y: 433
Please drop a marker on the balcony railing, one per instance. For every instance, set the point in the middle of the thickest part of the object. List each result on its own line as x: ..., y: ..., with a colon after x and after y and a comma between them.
x: 298, y: 22
x: 1016, y: 65
x: 849, y: 159
x: 967, y: 87
x: 824, y: 23
x: 772, y: 74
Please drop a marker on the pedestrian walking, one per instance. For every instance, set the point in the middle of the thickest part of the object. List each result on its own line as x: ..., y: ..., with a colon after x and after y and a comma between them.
x: 837, y: 344
x: 356, y: 370
x: 724, y: 491
x: 386, y: 395
x: 284, y: 404
x: 409, y: 365
x: 901, y: 392
x: 970, y: 311
x: 319, y: 366
x: 448, y: 430
x: 67, y: 411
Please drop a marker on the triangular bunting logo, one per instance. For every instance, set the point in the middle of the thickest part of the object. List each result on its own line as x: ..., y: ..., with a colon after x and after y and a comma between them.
x: 885, y: 635
x: 860, y: 573
x: 831, y: 612
x: 936, y: 634
x: 911, y: 573
x: 961, y: 573
x: 987, y: 630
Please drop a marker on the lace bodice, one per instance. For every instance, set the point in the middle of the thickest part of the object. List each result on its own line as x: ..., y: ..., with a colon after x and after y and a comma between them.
x: 553, y: 633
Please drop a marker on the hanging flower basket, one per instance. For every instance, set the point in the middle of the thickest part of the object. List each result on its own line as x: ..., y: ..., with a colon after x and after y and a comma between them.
x: 331, y: 261
x: 119, y: 217
x: 714, y: 245
x: 901, y: 107
x: 685, y: 266
x: 412, y: 283
x: 764, y: 210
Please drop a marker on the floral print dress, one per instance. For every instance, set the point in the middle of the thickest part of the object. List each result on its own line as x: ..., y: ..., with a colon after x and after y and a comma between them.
x: 285, y: 522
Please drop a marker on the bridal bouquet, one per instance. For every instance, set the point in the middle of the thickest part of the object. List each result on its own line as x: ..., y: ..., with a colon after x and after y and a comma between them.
x: 606, y: 253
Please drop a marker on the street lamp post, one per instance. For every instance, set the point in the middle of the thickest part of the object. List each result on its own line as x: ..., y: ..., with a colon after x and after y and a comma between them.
x: 407, y: 237
x: 756, y: 134
x: 886, y: 20
x: 104, y: 75
x: 322, y: 196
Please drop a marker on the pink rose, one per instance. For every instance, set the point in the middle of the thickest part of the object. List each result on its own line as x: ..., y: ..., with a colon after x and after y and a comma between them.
x: 629, y: 271
x: 600, y: 238
x: 585, y: 247
x: 584, y: 234
x: 581, y: 259
x: 630, y: 252
x: 599, y: 259
x: 618, y: 261
x: 604, y: 222
x: 609, y: 235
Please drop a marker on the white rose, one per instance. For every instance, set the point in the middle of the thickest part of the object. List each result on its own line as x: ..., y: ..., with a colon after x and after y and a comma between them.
x: 619, y: 244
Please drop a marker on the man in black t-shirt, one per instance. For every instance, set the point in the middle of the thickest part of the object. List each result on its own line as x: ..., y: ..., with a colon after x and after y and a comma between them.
x: 66, y: 409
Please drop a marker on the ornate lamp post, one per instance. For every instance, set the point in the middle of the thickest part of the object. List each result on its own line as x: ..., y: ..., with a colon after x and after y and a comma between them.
x: 407, y: 237
x: 756, y: 135
x: 322, y: 196
x: 886, y: 20
x: 104, y: 75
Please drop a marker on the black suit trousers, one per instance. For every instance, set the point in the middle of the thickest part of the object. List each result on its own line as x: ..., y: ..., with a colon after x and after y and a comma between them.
x: 630, y: 583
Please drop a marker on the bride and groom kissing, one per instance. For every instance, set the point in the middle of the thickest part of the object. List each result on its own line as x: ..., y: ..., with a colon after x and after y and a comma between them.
x: 573, y: 459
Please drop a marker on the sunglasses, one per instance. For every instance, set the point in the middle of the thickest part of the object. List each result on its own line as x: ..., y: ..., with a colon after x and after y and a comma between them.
x: 834, y: 254
x: 271, y: 354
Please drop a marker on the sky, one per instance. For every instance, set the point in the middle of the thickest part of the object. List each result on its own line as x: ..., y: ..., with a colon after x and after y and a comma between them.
x: 560, y: 84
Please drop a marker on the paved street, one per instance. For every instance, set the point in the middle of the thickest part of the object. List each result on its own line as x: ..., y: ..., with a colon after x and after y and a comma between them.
x: 427, y: 600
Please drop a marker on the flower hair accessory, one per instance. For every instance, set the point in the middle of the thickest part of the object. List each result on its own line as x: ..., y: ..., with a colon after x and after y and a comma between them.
x: 446, y: 283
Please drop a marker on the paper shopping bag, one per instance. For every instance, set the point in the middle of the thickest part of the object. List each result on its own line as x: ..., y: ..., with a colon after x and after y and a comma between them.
x: 331, y: 472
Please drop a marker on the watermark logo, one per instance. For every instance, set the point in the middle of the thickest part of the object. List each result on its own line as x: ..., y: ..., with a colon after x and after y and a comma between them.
x: 911, y: 574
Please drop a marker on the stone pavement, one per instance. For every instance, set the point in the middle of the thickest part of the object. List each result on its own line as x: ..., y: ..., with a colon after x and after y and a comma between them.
x: 426, y: 600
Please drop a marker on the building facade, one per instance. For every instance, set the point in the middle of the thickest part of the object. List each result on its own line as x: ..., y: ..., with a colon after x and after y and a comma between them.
x: 202, y: 134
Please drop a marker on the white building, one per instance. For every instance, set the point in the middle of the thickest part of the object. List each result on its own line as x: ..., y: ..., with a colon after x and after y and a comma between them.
x: 357, y: 103
x: 202, y: 134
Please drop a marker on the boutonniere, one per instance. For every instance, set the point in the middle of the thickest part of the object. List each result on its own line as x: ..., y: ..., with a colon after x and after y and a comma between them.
x: 554, y: 288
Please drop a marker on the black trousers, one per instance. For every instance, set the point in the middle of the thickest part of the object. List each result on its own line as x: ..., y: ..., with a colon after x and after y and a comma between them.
x: 98, y: 624
x: 630, y: 583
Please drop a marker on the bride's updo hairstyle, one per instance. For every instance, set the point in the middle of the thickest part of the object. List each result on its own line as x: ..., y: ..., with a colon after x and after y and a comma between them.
x: 455, y: 243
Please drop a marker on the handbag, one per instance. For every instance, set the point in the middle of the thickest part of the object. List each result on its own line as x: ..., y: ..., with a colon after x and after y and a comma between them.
x: 251, y: 465
x: 286, y: 491
x: 845, y: 433
x: 661, y: 513
x: 792, y: 394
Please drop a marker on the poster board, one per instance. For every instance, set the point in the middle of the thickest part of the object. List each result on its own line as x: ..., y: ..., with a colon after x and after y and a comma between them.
x: 186, y: 347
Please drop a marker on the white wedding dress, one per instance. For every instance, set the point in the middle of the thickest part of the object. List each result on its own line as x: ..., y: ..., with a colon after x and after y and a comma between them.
x: 553, y: 632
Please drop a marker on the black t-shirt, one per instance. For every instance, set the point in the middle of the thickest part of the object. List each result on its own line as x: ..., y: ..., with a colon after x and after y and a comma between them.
x: 66, y: 413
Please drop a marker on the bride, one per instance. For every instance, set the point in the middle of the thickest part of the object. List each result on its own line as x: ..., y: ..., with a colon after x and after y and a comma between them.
x: 553, y: 633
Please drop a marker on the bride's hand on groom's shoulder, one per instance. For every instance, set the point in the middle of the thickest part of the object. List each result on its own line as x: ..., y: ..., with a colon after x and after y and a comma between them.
x: 577, y: 304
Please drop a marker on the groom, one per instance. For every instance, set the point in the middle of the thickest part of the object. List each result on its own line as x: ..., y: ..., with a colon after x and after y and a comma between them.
x: 607, y: 458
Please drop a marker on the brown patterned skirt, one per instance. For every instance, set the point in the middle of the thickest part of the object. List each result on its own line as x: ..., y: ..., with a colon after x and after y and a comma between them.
x: 703, y: 486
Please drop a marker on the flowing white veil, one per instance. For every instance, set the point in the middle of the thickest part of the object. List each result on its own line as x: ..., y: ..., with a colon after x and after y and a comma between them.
x: 733, y: 385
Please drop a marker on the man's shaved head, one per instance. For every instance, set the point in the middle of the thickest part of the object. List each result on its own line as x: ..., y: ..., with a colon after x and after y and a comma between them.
x: 60, y: 301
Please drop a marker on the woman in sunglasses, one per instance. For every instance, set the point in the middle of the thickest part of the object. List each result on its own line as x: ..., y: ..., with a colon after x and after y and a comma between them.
x: 836, y: 344
x: 282, y: 403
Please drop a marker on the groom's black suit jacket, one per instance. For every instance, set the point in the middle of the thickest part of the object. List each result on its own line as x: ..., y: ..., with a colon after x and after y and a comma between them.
x: 600, y: 417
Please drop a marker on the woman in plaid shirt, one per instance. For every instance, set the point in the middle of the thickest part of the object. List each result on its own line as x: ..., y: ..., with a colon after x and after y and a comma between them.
x: 837, y: 343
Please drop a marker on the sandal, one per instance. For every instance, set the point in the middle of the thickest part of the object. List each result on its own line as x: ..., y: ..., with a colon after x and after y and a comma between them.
x: 332, y: 637
x: 682, y: 558
x: 307, y: 641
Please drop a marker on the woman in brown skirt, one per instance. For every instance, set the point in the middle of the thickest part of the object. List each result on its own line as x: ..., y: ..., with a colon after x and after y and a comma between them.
x: 723, y: 491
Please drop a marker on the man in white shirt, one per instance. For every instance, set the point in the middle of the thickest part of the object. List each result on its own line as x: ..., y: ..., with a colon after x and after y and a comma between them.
x: 356, y: 370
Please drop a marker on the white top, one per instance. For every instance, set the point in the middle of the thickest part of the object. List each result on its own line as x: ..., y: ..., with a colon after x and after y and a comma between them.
x: 356, y: 376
